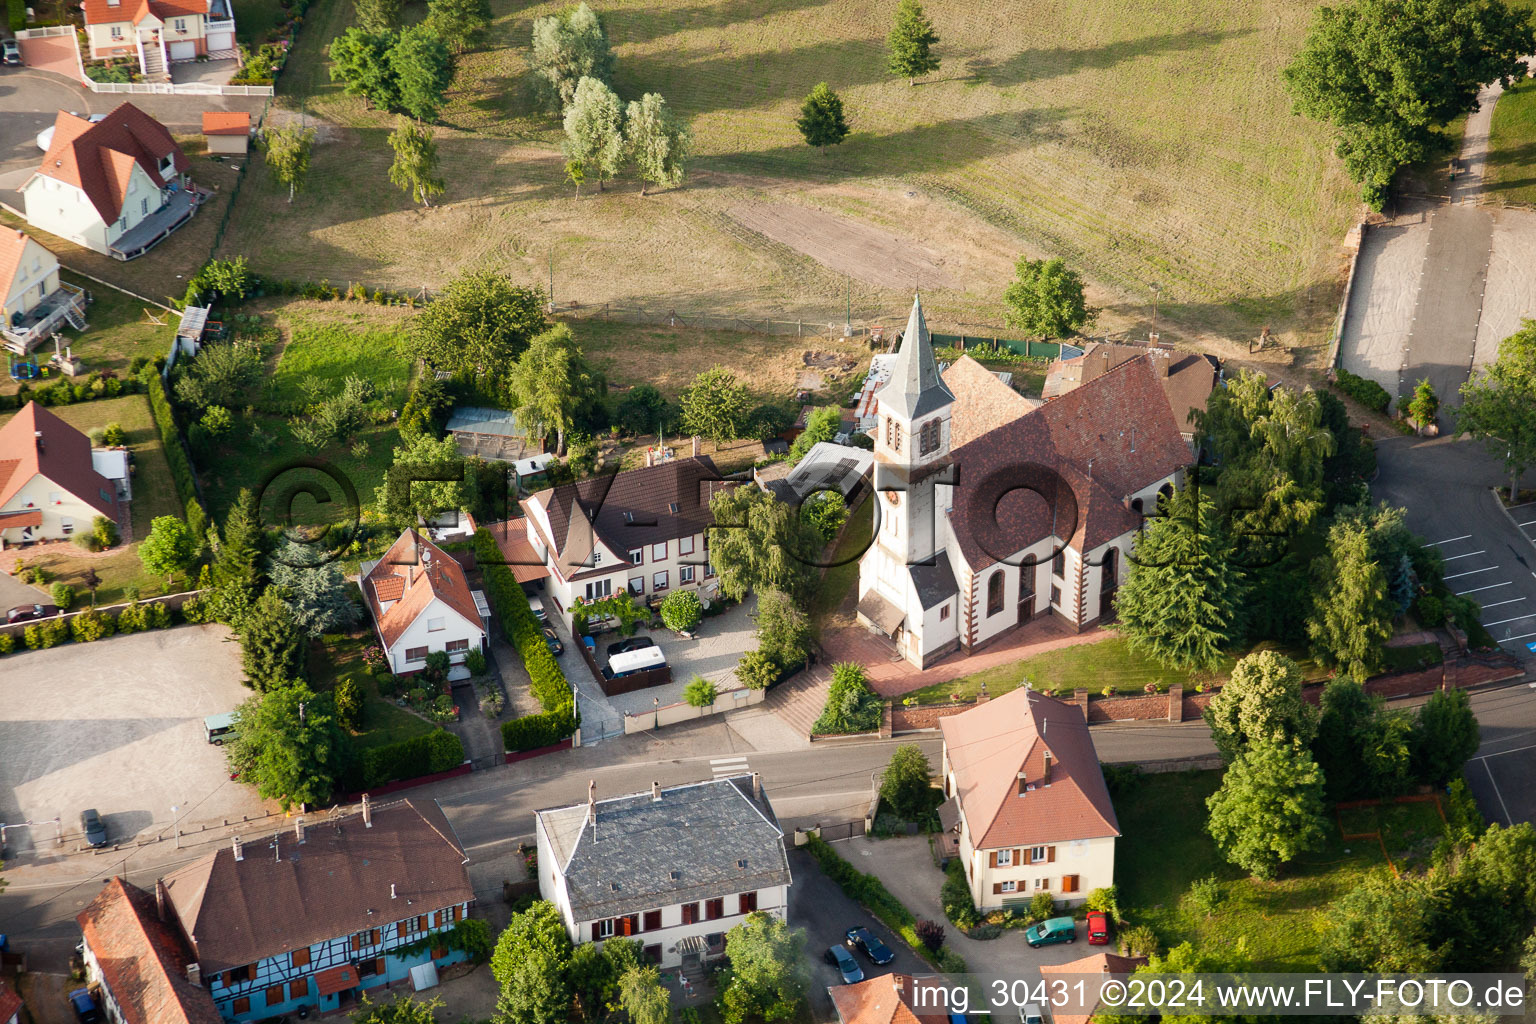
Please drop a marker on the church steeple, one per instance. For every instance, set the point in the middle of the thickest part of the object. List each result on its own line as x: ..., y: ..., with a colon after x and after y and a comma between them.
x: 915, y: 388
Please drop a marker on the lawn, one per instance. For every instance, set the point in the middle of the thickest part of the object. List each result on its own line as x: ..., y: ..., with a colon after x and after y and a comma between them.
x: 1512, y: 146
x: 331, y: 352
x: 340, y: 657
x: 1142, y: 142
x: 116, y: 331
x: 255, y: 18
x: 1164, y: 847
x: 842, y: 576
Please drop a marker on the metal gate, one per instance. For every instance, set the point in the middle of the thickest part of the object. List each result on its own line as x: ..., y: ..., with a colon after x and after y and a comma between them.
x: 843, y: 830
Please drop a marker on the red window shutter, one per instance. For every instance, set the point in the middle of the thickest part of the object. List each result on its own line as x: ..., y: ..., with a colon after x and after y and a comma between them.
x: 298, y: 989
x: 597, y: 930
x: 379, y: 967
x: 421, y: 923
x: 1050, y: 855
x: 993, y: 859
x: 997, y: 888
x: 458, y: 914
x: 229, y: 977
x: 242, y: 1005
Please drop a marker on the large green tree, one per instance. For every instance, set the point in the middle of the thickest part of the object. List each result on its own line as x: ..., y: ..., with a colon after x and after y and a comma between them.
x: 594, y: 130
x: 642, y: 996
x: 1046, y: 299
x: 1344, y: 729
x: 769, y: 972
x: 657, y: 141
x: 1183, y: 597
x: 784, y: 631
x: 423, y: 69
x: 821, y: 121
x: 530, y: 963
x: 1364, y: 71
x: 415, y: 496
x: 1499, y: 407
x: 360, y: 59
x: 909, y: 46
x: 316, y: 592
x: 168, y: 549
x: 287, y: 152
x: 594, y: 972
x: 1262, y: 702
x: 1351, y: 609
x: 378, y: 15
x: 271, y: 643
x: 1385, y: 923
x: 568, y: 47
x: 1269, y: 808
x: 549, y: 383
x: 759, y: 544
x: 289, y: 745
x: 714, y: 405
x: 237, y: 565
x: 415, y: 167
x: 481, y: 322
x: 1445, y: 736
x: 907, y: 784
x: 224, y: 375
x: 821, y: 425
x: 459, y: 23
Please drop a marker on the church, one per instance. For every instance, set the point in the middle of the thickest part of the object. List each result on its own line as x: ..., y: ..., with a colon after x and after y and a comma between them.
x: 992, y: 510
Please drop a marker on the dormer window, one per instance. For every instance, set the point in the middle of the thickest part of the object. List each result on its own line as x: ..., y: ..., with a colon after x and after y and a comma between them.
x: 166, y: 164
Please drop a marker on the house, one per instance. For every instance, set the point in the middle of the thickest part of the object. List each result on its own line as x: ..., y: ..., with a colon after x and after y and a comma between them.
x: 227, y: 132
x: 116, y: 186
x: 315, y: 915
x: 138, y: 961
x: 1027, y: 802
x: 891, y: 999
x: 644, y: 530
x: 1187, y: 378
x: 421, y: 602
x: 993, y: 511
x: 49, y: 486
x: 1102, y: 964
x: 673, y: 868
x: 36, y: 303
x: 158, y: 33
x: 10, y: 1004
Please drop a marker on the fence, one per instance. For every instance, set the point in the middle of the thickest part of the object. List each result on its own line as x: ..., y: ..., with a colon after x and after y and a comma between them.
x: 831, y: 833
x: 1018, y: 346
x: 140, y: 88
x: 172, y: 601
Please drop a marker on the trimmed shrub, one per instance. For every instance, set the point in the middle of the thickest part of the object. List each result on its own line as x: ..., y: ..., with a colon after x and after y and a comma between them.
x: 105, y: 531
x: 955, y: 895
x: 700, y: 693
x: 681, y: 611
x: 7, y: 643
x: 436, y: 751
x: 756, y: 670
x: 852, y: 707
x: 475, y: 662
x: 170, y: 434
x: 1363, y: 390
x: 196, y: 610
x: 63, y: 595
x: 90, y: 625
x: 47, y: 634
x: 114, y: 435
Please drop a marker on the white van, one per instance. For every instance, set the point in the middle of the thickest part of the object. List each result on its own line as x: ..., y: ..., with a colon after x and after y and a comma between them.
x: 628, y: 663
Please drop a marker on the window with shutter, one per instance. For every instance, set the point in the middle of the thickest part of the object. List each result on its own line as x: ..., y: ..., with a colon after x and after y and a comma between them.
x: 1069, y: 883
x: 301, y: 957
x: 241, y: 1005
x: 652, y: 920
x: 1050, y: 854
x: 690, y: 913
x: 379, y: 966
x: 229, y: 979
x: 274, y: 997
x: 421, y: 923
x: 458, y: 914
x: 748, y: 902
x: 298, y: 989
x: 714, y: 909
x: 997, y: 888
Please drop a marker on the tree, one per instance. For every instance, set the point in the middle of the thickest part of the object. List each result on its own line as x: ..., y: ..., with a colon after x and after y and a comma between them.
x: 700, y: 692
x: 658, y: 142
x: 168, y: 549
x: 549, y: 383
x: 1497, y: 407
x: 851, y: 706
x: 1445, y: 736
x: 576, y: 174
x: 289, y: 745
x: 459, y: 23
x: 594, y: 972
x: 530, y: 963
x: 237, y: 564
x: 784, y: 631
x: 1353, y: 460
x: 568, y: 47
x: 769, y: 973
x: 681, y: 611
x: 713, y: 405
x: 221, y: 375
x: 1361, y: 72
x: 378, y: 15
x: 825, y: 512
x: 337, y: 417
x: 1351, y: 613
x: 1046, y: 298
x: 594, y: 129
x: 1384, y: 924
x: 400, y: 1010
x: 415, y: 168
x: 910, y: 44
x: 907, y: 784
x: 92, y: 580
x: 360, y: 58
x: 287, y: 152
x: 642, y: 996
x: 317, y: 594
x: 423, y: 69
x: 413, y: 499
x: 271, y: 643
x: 823, y: 424
x: 1425, y: 405
x: 759, y: 543
x: 1269, y: 808
x: 821, y: 121
x: 1343, y: 731
x: 481, y: 322
x: 1182, y: 600
x: 644, y: 410
x: 1261, y: 703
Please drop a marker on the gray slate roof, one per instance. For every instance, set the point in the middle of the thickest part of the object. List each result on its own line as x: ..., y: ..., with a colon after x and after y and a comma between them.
x: 915, y: 388
x: 935, y: 583
x: 480, y: 420
x: 701, y: 832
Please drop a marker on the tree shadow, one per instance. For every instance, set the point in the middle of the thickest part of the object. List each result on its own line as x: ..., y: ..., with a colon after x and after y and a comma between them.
x: 1036, y: 64
x: 635, y: 25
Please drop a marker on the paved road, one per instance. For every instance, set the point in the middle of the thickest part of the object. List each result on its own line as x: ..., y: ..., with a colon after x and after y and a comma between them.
x: 1490, y: 557
x: 1443, y: 335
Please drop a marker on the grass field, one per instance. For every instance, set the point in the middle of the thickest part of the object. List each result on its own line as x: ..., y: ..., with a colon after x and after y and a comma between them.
x: 341, y: 657
x: 1165, y: 847
x: 841, y: 579
x: 331, y: 352
x: 1141, y: 142
x: 255, y: 18
x: 116, y: 331
x: 1512, y: 146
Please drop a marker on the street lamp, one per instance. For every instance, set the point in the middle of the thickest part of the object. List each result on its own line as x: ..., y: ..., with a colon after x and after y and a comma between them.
x: 656, y: 704
x: 176, y: 824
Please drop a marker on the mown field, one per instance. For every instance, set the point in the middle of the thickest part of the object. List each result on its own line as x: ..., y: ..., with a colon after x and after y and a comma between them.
x: 1512, y: 146
x: 1142, y: 141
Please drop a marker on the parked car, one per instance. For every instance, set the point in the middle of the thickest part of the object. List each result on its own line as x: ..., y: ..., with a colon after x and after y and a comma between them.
x: 28, y: 612
x: 553, y: 639
x: 95, y: 831
x: 633, y: 643
x: 10, y: 52
x: 846, y: 965
x: 1050, y: 932
x: 84, y: 1006
x: 45, y: 137
x: 1032, y: 1014
x: 869, y: 944
x: 536, y: 603
x: 219, y: 729
x: 1098, y: 928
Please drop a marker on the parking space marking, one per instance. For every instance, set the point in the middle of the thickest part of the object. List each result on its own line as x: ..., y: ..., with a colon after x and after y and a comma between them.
x: 1469, y: 554
x: 1474, y: 590
x: 1448, y: 540
x: 1513, y: 600
x: 1494, y: 783
x: 1526, y: 504
x: 1517, y: 618
x: 1531, y: 523
x: 1522, y: 636
x: 1471, y: 572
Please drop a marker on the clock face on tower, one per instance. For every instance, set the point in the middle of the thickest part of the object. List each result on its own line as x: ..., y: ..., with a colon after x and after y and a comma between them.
x: 894, y: 497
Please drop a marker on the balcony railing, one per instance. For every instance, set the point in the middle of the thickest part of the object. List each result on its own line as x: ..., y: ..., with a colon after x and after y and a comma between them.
x: 42, y: 320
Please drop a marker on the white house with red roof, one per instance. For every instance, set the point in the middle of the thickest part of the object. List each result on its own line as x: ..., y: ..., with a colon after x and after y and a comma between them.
x: 421, y: 602
x: 49, y: 486
x: 35, y: 302
x: 158, y: 33
x: 1028, y: 804
x: 116, y: 186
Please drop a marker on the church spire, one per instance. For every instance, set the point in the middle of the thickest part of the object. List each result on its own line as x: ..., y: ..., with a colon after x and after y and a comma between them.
x: 915, y: 388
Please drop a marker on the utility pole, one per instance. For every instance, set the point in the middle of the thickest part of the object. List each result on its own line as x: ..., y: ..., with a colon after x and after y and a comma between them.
x: 848, y: 309
x: 1156, y: 290
x: 551, y: 279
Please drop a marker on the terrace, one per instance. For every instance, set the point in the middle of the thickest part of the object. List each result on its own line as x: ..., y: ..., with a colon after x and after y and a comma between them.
x: 178, y: 209
x: 42, y: 320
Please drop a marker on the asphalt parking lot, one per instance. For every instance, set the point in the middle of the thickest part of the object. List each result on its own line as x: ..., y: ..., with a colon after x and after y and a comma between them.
x: 118, y: 725
x: 1502, y: 775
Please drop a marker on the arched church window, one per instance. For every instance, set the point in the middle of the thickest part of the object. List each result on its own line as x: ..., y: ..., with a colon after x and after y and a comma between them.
x: 995, y: 593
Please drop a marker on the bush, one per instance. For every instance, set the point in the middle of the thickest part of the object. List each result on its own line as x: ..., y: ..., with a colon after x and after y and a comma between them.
x: 931, y: 933
x: 90, y: 625
x: 47, y: 634
x: 87, y: 541
x: 105, y: 532
x: 1205, y: 895
x: 852, y: 707
x: 1138, y: 940
x: 63, y: 595
x: 756, y: 670
x: 349, y: 703
x: 170, y: 435
x: 1105, y: 900
x: 132, y: 619
x: 114, y: 435
x: 681, y: 611
x: 7, y: 643
x: 1041, y: 906
x: 436, y: 751
x: 1363, y: 390
x: 387, y: 682
x: 17, y: 11
x: 700, y: 693
x: 196, y: 610
x: 955, y: 895
x: 475, y: 662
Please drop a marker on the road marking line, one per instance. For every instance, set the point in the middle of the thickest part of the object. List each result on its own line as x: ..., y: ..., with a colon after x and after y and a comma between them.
x: 1531, y: 523
x: 1493, y: 782
x: 1511, y: 750
x: 1524, y: 504
x: 1472, y: 572
x: 1474, y: 590
x: 1469, y: 554
x: 1513, y: 600
x: 1437, y: 543
x: 1501, y: 622
x: 1522, y: 636
x: 727, y: 766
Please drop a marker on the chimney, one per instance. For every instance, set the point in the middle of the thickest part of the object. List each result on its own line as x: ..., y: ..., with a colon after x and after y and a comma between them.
x: 195, y: 973
x: 655, y: 792
x: 239, y: 853
x: 757, y: 786
x: 392, y: 894
x: 298, y: 828
x: 1161, y: 357
x: 698, y: 449
x: 38, y: 434
x: 1046, y: 775
x: 162, y: 897
x: 367, y: 812
x: 650, y: 457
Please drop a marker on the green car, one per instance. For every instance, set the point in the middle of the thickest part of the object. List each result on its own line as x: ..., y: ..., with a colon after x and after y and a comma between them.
x: 1048, y: 933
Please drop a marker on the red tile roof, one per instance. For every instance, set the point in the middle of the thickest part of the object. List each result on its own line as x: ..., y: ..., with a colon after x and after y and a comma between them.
x: 982, y: 402
x: 98, y: 158
x: 517, y: 551
x: 143, y: 962
x: 990, y: 746
x: 26, y: 517
x: 416, y: 571
x: 10, y: 1002
x: 100, y: 12
x: 64, y: 457
x: 1187, y: 378
x: 226, y: 122
x: 336, y: 979
x: 885, y: 1000
x: 1097, y: 963
x: 12, y: 245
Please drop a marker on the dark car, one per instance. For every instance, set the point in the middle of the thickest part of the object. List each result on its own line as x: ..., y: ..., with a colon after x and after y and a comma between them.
x: 10, y: 52
x: 553, y: 639
x: 634, y: 643
x: 28, y: 612
x: 868, y: 943
x: 846, y: 965
x: 84, y: 1006
x: 95, y: 831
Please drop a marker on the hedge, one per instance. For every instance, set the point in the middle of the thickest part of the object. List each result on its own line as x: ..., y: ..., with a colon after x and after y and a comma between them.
x: 66, y: 392
x: 436, y: 751
x: 551, y: 689
x: 170, y: 434
x: 878, y: 900
x: 1363, y: 390
x: 17, y: 9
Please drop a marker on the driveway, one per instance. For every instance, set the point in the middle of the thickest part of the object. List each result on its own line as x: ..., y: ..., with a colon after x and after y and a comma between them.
x: 118, y: 725
x: 14, y: 592
x: 712, y: 652
x: 1490, y: 554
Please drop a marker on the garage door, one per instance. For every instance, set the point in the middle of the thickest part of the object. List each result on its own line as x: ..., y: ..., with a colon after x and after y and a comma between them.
x: 184, y: 51
x: 220, y: 41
